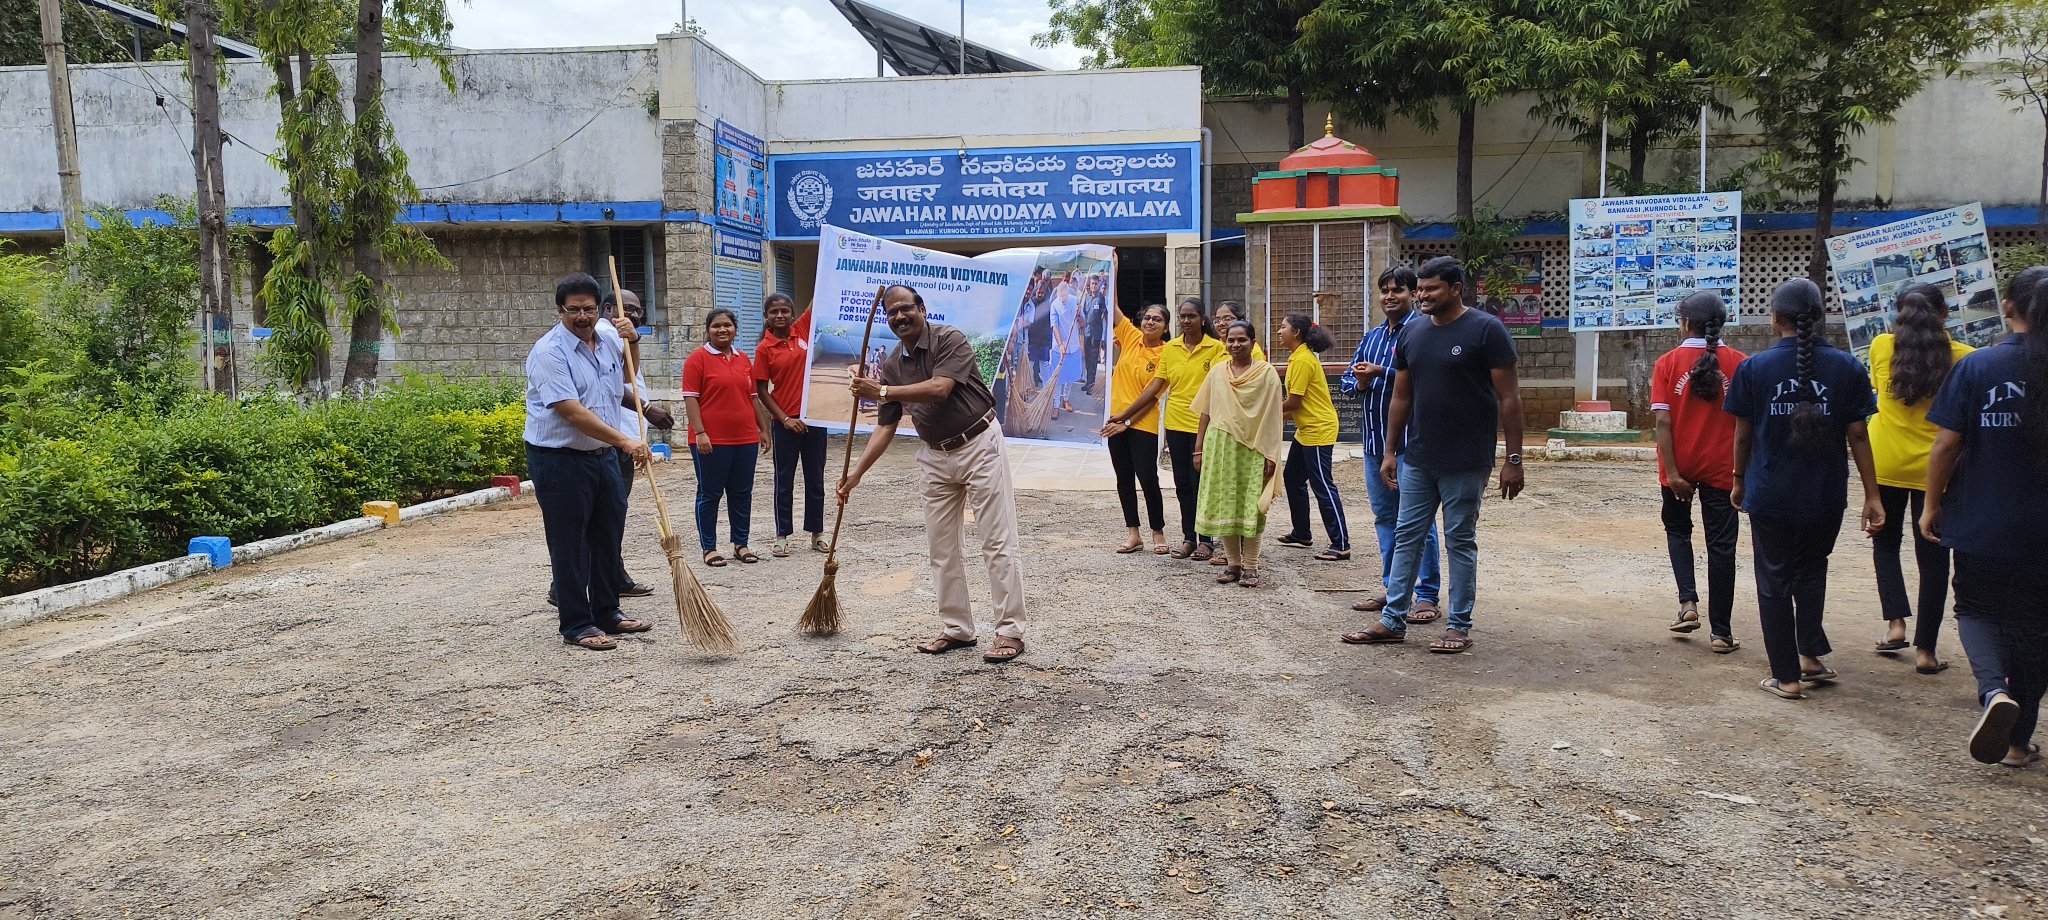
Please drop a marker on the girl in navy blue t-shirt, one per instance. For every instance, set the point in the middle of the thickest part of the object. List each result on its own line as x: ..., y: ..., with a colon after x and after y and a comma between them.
x: 1797, y: 406
x: 1987, y: 499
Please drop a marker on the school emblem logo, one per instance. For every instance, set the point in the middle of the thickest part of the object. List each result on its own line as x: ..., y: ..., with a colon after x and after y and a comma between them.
x: 1457, y: 350
x: 1839, y: 246
x: 810, y: 197
x: 1969, y: 217
x: 1720, y: 203
x: 1592, y: 207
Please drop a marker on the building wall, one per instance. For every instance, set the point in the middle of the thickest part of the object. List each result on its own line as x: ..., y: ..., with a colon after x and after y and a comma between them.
x: 540, y: 126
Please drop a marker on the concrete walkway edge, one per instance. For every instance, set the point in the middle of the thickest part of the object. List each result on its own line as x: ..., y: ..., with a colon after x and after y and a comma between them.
x: 22, y: 609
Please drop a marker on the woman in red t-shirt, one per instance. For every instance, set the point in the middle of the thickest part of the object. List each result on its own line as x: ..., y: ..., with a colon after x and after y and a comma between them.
x: 728, y: 429
x: 1696, y: 455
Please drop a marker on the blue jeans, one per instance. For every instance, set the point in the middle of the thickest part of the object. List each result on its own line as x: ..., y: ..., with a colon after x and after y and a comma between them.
x: 728, y: 472
x: 583, y: 514
x: 1386, y: 510
x: 1422, y: 492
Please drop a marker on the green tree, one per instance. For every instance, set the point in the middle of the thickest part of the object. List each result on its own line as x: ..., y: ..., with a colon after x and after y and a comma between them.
x: 1818, y: 73
x: 2022, y: 78
x: 1639, y: 81
x: 130, y: 313
x: 90, y: 36
x: 1249, y: 47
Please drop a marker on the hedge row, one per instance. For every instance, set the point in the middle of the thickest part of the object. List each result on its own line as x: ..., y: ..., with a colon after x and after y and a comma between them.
x: 123, y: 491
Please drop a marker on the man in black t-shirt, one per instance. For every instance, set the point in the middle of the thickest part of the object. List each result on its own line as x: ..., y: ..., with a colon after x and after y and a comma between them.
x: 1454, y: 383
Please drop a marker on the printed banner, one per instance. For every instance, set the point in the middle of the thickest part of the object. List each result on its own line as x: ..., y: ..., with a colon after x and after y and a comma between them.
x: 742, y: 175
x: 1634, y: 259
x: 1038, y: 320
x: 736, y: 278
x: 1027, y: 191
x: 1520, y: 305
x: 1947, y: 249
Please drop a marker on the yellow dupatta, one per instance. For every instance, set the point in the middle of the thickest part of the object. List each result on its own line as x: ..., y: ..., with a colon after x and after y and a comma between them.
x: 1246, y: 406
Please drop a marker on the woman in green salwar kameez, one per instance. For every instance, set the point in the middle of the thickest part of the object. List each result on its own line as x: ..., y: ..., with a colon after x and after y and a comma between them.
x: 1240, y: 446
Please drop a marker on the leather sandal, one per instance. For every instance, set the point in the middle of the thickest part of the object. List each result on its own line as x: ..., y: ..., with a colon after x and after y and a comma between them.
x: 942, y: 643
x: 1376, y: 634
x: 593, y: 639
x: 1424, y: 612
x: 1371, y: 604
x: 1004, y: 649
x: 627, y: 625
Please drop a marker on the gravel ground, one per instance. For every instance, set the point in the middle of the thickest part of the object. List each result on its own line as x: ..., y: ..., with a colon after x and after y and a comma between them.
x: 389, y: 727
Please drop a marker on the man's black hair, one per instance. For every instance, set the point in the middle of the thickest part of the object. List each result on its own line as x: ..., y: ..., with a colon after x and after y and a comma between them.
x: 914, y: 295
x: 1444, y: 268
x: 1401, y: 276
x: 574, y: 284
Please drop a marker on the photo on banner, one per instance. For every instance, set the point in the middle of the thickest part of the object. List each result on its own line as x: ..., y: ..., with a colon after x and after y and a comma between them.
x: 1634, y: 259
x: 1519, y: 306
x: 997, y: 300
x: 1948, y: 249
x: 740, y: 171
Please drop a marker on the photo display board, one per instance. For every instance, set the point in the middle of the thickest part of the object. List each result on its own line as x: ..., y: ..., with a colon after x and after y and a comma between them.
x: 1634, y: 259
x: 1948, y: 249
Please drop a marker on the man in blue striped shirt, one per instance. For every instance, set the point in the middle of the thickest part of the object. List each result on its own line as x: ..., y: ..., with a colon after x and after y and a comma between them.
x: 1372, y: 371
x: 573, y: 378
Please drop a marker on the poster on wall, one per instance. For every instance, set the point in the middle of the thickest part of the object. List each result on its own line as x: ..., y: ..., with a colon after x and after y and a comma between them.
x: 1027, y: 312
x: 1634, y: 259
x: 1519, y: 306
x: 736, y: 277
x: 1948, y: 249
x: 1021, y: 191
x: 741, y: 171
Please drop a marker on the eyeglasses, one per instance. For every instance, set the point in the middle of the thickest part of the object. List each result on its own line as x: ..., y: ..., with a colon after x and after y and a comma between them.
x: 579, y: 311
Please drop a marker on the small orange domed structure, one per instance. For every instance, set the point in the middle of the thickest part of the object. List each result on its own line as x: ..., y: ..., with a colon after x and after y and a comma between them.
x: 1329, y: 173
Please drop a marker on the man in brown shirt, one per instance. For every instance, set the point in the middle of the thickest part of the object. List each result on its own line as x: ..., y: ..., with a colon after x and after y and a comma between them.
x: 933, y: 373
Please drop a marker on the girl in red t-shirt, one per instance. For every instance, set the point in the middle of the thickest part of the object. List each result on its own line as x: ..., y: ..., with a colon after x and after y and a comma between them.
x: 1696, y: 455
x: 728, y: 429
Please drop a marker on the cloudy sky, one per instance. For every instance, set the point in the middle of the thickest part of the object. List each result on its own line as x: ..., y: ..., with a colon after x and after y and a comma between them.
x: 778, y: 39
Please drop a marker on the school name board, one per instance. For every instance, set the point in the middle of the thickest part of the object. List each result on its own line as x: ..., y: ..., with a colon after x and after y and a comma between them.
x: 1634, y: 259
x: 1028, y: 191
x: 1947, y: 249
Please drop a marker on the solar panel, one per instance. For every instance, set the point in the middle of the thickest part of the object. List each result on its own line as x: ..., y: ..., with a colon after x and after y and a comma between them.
x: 914, y: 49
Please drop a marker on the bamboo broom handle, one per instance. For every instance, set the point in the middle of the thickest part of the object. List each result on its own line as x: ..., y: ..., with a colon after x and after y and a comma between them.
x: 846, y: 463
x: 640, y: 400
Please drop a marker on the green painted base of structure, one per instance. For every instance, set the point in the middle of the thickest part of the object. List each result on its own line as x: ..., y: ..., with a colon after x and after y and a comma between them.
x: 1600, y: 437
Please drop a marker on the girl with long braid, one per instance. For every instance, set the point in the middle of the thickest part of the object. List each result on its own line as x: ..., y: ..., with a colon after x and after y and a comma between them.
x: 1987, y: 499
x: 1907, y: 367
x: 1696, y: 456
x: 1801, y: 408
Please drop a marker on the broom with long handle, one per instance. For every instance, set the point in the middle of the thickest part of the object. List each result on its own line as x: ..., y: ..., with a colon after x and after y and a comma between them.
x: 704, y: 625
x: 821, y: 617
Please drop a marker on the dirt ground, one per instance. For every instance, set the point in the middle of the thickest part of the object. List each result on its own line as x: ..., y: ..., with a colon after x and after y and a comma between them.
x: 390, y: 727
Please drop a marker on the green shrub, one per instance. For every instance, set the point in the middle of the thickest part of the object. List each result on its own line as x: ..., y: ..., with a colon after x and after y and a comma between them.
x: 129, y: 488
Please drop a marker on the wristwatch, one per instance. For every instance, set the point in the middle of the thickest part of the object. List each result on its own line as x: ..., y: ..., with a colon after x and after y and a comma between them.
x: 1514, y: 459
x: 885, y: 392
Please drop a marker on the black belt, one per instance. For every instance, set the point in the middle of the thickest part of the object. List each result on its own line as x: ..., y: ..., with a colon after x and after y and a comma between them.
x: 973, y: 431
x: 599, y: 452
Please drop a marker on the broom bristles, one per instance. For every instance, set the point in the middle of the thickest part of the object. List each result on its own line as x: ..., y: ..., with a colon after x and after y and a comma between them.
x: 821, y: 618
x: 704, y: 625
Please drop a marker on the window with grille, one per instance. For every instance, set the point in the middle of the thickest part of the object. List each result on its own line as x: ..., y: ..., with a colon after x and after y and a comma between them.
x: 1140, y: 278
x: 634, y: 247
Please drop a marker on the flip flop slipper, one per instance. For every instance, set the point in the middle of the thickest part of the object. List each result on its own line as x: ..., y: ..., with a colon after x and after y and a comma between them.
x: 591, y: 638
x: 1822, y: 676
x: 943, y: 643
x: 1424, y: 612
x: 779, y: 549
x: 1004, y: 649
x: 1219, y: 559
x: 1448, y: 644
x: 1771, y: 686
x: 1185, y: 550
x: 1992, y: 737
x: 1203, y: 553
x: 1374, y: 636
x: 1129, y: 548
x: 2033, y: 757
x: 818, y: 545
x: 1939, y: 667
x: 628, y: 625
x: 1292, y: 540
x: 1732, y: 645
x: 1889, y: 646
x: 1159, y: 549
x: 1371, y: 604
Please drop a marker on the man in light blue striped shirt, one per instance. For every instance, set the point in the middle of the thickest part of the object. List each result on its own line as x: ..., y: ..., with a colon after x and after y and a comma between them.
x: 1372, y: 371
x: 573, y: 378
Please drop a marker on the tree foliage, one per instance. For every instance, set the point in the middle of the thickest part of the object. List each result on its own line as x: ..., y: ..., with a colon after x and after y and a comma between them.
x: 1818, y: 73
x: 90, y: 36
x: 2021, y: 76
x: 1641, y: 81
x: 1118, y: 33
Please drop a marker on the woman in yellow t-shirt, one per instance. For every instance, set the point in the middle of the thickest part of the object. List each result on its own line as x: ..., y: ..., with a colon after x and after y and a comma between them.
x: 1907, y: 367
x: 1315, y: 437
x: 1184, y: 362
x: 1134, y: 439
